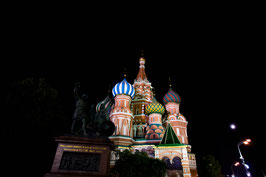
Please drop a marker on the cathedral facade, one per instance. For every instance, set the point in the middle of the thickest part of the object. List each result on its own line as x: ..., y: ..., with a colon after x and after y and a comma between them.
x: 142, y: 123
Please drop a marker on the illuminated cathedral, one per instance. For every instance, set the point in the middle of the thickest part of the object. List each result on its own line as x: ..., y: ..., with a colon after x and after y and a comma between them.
x: 142, y: 123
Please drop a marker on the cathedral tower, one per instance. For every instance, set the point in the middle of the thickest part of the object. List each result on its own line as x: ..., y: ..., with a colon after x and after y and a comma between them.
x: 121, y: 115
x: 155, y: 110
x: 142, y: 98
x: 177, y: 120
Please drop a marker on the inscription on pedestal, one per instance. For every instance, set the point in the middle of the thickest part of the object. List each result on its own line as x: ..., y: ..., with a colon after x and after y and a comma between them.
x: 80, y: 161
x: 82, y: 148
x: 81, y: 156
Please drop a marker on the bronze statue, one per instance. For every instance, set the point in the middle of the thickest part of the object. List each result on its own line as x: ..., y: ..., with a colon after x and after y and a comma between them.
x: 81, y: 112
x: 105, y: 127
x: 88, y: 122
x: 100, y: 122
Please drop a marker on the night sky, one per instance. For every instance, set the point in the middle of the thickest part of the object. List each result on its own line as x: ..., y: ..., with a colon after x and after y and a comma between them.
x: 216, y: 66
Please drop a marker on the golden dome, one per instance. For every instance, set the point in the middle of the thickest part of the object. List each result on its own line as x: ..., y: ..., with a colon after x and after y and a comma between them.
x: 142, y: 59
x: 155, y: 107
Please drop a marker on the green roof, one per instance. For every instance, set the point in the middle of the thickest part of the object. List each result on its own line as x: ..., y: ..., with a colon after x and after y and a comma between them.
x: 170, y: 138
x: 170, y: 145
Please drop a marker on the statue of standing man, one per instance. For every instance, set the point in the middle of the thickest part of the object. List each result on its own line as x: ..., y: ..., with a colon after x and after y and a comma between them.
x: 81, y: 112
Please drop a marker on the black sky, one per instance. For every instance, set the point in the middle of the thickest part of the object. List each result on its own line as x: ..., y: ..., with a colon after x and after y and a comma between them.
x: 215, y: 62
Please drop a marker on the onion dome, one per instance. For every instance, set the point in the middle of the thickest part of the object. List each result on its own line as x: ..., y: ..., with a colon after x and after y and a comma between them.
x: 171, y: 96
x: 123, y: 88
x: 155, y: 107
x: 107, y: 103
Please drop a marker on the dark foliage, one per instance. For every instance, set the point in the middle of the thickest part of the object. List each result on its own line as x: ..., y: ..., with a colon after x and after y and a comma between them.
x: 138, y: 164
x: 33, y: 115
x: 208, y: 166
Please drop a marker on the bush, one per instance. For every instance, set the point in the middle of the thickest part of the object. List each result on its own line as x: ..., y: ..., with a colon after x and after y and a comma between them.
x: 138, y: 164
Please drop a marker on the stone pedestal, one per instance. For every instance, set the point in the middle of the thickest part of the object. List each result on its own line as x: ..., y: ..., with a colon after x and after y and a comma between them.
x: 81, y: 156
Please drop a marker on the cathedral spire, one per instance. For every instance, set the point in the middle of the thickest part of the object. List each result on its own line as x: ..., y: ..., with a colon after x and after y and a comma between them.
x: 142, y: 53
x: 125, y: 72
x: 142, y: 74
x: 170, y: 84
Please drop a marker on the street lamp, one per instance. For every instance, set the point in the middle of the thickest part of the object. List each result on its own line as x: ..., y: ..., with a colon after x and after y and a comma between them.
x: 232, y: 126
x: 235, y: 164
x: 246, y: 142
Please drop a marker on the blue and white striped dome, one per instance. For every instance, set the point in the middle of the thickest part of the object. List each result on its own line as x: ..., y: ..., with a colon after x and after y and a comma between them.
x: 124, y: 88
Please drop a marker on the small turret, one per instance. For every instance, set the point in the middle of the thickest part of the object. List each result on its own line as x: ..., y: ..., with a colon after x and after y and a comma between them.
x: 155, y: 110
x: 177, y: 120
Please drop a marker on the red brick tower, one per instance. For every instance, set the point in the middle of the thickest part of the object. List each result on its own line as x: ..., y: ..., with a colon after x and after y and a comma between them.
x: 121, y: 115
x: 143, y: 97
x: 177, y: 120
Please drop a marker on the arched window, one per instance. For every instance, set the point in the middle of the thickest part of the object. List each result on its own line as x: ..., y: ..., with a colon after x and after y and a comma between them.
x: 177, y: 164
x: 116, y: 130
x: 145, y: 130
x: 139, y: 134
x: 125, y: 131
x: 137, y: 111
x: 135, y: 131
x: 167, y: 161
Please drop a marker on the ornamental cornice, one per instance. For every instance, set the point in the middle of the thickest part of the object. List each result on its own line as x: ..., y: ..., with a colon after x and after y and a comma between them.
x: 140, y: 81
x: 124, y: 113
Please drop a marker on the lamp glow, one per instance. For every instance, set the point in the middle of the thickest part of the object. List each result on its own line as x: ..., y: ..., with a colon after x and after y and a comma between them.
x: 233, y: 126
x: 248, y: 140
x: 237, y: 163
x: 246, y: 143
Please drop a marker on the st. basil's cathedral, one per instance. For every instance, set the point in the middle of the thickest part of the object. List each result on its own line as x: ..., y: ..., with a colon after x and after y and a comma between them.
x: 142, y: 123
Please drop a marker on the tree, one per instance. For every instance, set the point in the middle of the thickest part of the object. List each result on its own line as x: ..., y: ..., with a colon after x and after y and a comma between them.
x: 138, y: 164
x: 32, y: 107
x: 32, y: 115
x: 208, y: 166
